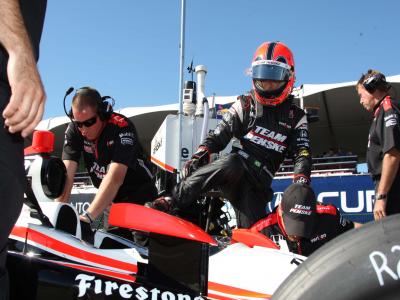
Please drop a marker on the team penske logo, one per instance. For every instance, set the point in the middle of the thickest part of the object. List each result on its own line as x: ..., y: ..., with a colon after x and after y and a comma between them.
x: 267, y: 138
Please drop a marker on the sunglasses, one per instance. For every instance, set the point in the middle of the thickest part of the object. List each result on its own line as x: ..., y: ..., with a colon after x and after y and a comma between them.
x: 88, y: 123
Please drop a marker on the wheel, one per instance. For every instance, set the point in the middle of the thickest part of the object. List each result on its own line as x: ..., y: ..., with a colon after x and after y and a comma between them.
x: 360, y: 264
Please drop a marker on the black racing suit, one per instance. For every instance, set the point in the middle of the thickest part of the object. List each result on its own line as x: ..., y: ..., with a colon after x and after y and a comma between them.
x: 384, y: 135
x: 12, y: 173
x: 328, y: 225
x: 266, y: 136
x: 117, y: 143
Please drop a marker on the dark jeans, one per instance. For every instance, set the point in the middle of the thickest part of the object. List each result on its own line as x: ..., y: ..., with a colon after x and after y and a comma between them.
x: 232, y: 177
x: 12, y: 185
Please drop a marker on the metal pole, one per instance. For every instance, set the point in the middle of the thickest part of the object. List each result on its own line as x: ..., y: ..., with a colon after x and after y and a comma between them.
x: 181, y: 63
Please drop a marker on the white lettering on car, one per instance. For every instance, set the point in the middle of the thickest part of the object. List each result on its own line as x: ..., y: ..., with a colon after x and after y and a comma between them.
x: 380, y: 263
x: 126, y: 291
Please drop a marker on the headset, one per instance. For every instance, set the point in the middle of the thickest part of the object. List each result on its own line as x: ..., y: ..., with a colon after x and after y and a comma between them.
x: 374, y: 82
x: 104, y: 104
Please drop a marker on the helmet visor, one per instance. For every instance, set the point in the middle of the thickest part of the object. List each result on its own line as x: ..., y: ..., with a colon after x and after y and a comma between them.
x: 270, y: 70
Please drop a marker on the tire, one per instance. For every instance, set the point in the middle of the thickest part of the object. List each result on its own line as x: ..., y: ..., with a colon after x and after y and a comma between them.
x: 360, y: 264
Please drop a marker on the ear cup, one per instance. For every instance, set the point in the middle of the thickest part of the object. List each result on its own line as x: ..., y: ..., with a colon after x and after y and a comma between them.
x: 373, y: 82
x: 105, y: 109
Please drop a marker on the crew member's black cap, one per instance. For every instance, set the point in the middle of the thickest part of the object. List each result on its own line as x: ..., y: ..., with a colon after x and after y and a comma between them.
x: 298, y: 209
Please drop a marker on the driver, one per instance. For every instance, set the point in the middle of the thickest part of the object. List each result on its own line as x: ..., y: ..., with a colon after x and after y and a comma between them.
x: 268, y: 125
x: 112, y: 154
x: 304, y: 223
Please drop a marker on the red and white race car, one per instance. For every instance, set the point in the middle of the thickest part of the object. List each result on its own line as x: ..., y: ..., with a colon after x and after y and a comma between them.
x: 48, y: 257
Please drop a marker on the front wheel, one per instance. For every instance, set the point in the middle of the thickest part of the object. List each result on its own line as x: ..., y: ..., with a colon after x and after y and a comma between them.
x: 360, y: 264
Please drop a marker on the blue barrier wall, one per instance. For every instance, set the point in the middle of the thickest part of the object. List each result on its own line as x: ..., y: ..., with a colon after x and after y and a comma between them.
x: 353, y: 194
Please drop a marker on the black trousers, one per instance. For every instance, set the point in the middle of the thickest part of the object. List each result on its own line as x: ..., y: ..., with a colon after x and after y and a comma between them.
x: 12, y: 185
x: 233, y: 178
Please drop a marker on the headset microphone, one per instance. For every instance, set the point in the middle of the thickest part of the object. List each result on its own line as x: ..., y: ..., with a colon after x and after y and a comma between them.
x: 69, y: 91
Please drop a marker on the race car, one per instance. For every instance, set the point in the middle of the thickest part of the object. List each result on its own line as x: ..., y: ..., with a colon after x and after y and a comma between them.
x: 50, y: 257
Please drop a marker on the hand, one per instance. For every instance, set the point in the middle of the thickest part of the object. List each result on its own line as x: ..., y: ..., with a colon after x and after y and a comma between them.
x: 379, y: 209
x: 85, y: 217
x: 199, y: 159
x: 26, y: 106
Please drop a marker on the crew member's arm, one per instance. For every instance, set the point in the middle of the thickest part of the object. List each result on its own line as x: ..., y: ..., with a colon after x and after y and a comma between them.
x: 26, y: 106
x: 107, y: 190
x: 73, y: 145
x: 71, y: 167
x: 390, y: 166
x: 301, y: 152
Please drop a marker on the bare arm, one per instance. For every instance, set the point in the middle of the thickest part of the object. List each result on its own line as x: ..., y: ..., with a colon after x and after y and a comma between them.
x: 390, y: 166
x: 108, y: 189
x: 26, y: 106
x: 71, y: 167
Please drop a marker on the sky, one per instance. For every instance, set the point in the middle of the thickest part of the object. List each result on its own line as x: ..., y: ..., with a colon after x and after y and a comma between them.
x: 130, y: 49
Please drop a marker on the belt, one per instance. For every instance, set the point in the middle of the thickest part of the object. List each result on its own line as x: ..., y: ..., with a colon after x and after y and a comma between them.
x: 254, y: 162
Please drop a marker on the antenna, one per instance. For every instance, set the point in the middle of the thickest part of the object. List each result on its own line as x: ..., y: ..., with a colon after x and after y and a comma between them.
x: 191, y: 69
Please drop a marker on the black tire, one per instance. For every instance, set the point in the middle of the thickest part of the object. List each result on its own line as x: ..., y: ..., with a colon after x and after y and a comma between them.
x: 351, y: 266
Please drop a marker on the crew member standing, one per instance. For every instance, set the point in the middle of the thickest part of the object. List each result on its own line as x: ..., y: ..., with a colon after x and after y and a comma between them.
x: 112, y: 154
x: 22, y: 99
x: 383, y: 153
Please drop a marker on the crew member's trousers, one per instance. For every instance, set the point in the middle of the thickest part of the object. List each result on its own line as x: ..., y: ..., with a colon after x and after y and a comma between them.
x: 12, y: 185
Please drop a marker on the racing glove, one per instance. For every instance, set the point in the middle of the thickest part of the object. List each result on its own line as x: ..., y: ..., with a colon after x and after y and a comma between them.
x: 200, y: 158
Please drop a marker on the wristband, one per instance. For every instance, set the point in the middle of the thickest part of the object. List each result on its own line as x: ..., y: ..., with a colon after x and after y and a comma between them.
x: 380, y: 196
x: 87, y: 215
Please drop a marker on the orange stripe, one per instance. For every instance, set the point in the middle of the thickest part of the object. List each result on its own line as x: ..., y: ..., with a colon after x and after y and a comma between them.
x: 56, y: 245
x: 226, y: 289
x: 162, y: 165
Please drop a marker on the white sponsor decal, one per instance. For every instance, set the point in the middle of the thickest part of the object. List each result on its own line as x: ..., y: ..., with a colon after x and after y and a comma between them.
x: 318, y: 238
x: 301, y: 209
x: 390, y: 122
x: 125, y: 291
x: 285, y: 125
x: 126, y: 141
x: 379, y: 262
x: 125, y: 134
x: 267, y: 138
x: 98, y: 170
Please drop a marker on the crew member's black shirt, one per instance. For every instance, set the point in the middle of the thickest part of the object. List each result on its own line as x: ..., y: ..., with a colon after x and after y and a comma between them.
x: 117, y: 143
x: 384, y: 134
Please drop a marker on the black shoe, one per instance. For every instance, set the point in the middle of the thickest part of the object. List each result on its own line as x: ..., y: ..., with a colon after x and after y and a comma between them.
x: 163, y: 204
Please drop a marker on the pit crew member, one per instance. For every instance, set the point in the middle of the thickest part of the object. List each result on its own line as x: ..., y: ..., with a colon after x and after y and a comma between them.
x: 112, y: 154
x: 383, y: 153
x: 303, y: 223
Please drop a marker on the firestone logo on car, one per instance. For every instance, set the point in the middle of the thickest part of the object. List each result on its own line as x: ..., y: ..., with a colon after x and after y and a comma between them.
x: 125, y: 290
